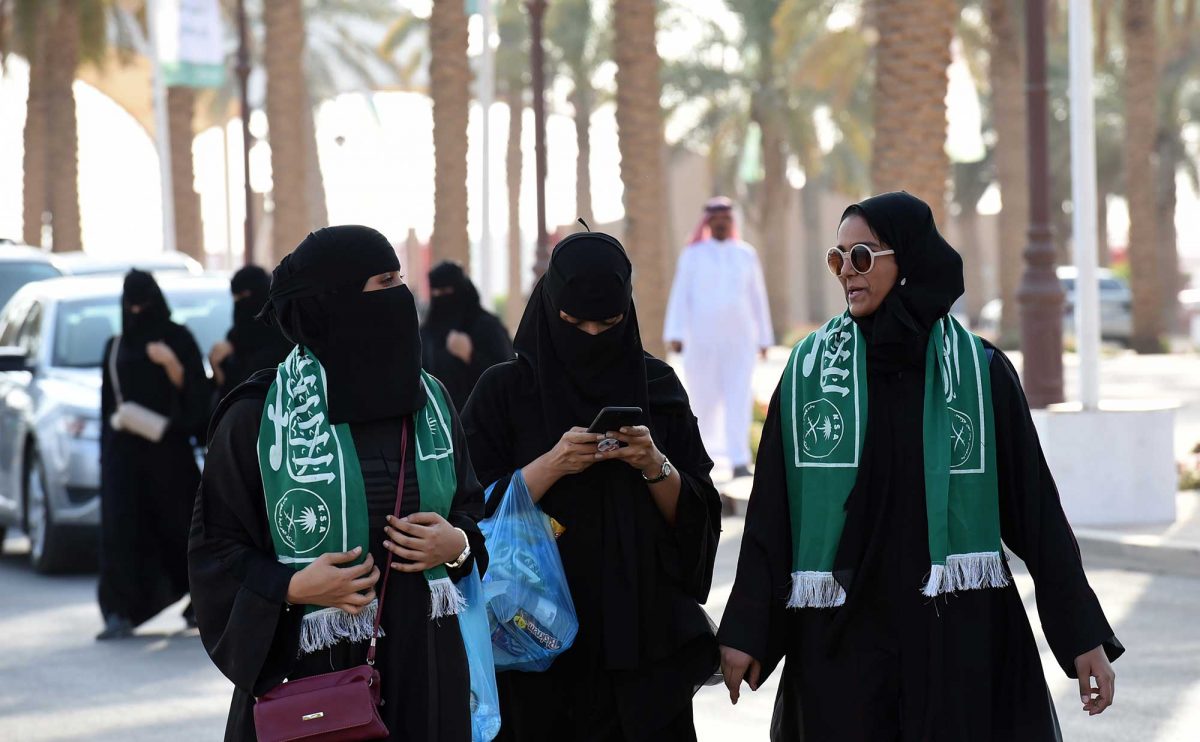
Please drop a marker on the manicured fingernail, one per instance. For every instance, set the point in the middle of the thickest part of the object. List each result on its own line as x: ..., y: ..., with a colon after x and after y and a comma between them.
x: 1085, y: 700
x: 357, y: 549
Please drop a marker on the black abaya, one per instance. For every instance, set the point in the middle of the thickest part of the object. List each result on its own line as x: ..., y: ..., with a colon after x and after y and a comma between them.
x: 644, y: 642
x: 146, y: 488
x: 891, y: 664
x: 490, y: 345
x: 239, y: 588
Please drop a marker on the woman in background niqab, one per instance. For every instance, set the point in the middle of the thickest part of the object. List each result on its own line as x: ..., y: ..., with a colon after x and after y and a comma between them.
x: 251, y: 344
x: 146, y: 487
x: 459, y: 338
x: 638, y: 557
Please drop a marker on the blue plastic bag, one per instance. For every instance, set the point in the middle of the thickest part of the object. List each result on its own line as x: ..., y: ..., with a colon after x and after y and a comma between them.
x: 530, y: 612
x: 473, y: 624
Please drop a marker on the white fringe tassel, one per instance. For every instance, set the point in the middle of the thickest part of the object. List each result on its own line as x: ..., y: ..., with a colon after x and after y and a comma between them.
x: 815, y: 590
x: 328, y: 626
x: 966, y: 572
x: 445, y: 598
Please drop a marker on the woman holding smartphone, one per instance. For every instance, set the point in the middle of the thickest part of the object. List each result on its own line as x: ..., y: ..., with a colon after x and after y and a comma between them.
x: 641, y: 521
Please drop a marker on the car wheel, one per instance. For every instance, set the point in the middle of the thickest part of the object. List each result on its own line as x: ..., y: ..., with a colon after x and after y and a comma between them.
x: 48, y: 551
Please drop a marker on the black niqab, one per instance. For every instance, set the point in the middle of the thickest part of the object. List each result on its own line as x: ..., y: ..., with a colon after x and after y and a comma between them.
x: 367, y: 342
x: 153, y: 315
x: 589, y: 278
x: 452, y: 310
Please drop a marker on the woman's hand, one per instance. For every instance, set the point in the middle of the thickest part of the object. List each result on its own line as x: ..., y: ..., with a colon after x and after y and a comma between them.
x: 736, y: 665
x: 460, y: 346
x: 1095, y: 664
x: 574, y: 452
x: 220, y: 351
x: 426, y: 539
x: 641, y: 453
x: 326, y: 584
x: 161, y: 354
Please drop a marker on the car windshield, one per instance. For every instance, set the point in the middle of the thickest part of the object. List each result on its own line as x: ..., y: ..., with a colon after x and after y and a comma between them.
x: 85, y: 325
x: 14, y: 275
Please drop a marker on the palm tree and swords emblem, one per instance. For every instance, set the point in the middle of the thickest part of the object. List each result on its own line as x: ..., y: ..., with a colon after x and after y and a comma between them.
x: 823, y: 427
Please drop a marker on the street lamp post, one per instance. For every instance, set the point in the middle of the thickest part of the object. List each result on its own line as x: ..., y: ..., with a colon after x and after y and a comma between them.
x: 537, y: 56
x: 1040, y: 293
x: 243, y: 73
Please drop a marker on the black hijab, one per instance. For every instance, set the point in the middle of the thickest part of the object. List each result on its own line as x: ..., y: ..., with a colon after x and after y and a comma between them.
x: 457, y: 309
x: 589, y: 278
x: 250, y: 287
x: 930, y: 278
x: 368, y: 343
x: 153, y: 317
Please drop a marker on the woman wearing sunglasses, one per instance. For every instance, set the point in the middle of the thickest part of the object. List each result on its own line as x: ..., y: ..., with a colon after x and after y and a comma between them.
x: 898, y: 462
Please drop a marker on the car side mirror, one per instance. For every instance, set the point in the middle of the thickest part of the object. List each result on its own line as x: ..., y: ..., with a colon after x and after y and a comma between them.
x: 13, y: 358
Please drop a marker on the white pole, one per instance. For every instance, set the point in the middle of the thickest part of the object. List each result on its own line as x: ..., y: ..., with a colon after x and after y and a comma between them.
x: 1083, y: 196
x: 487, y: 93
x: 162, y: 132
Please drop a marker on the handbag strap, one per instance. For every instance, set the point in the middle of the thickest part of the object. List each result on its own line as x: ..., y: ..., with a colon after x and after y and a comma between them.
x: 112, y: 368
x: 396, y: 514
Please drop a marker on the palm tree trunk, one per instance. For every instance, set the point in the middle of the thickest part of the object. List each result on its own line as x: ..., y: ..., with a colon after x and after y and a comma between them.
x: 286, y: 109
x: 449, y: 85
x: 1006, y: 74
x: 776, y: 257
x: 1141, y: 89
x: 36, y: 157
x: 1165, y: 203
x: 314, y: 182
x: 643, y: 171
x: 581, y: 101
x: 189, y: 234
x: 973, y: 261
x: 816, y: 276
x: 63, y: 140
x: 514, y: 305
x: 910, y: 98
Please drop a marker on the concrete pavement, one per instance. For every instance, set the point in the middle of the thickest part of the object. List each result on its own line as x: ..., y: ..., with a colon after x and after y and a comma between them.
x: 57, y: 683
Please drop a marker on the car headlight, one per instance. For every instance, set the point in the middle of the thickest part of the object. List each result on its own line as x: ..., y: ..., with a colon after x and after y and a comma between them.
x: 80, y: 427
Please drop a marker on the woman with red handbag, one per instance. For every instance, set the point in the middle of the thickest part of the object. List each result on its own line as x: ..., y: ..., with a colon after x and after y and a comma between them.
x: 345, y: 460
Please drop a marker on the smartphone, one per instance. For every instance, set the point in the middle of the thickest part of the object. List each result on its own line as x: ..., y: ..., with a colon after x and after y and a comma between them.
x: 613, y: 419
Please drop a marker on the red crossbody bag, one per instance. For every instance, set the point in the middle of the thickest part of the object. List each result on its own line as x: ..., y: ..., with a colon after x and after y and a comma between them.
x: 338, y: 706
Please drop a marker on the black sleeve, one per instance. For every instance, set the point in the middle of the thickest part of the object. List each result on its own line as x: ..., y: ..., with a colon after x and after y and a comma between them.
x: 755, y: 616
x: 108, y: 398
x: 467, y: 508
x: 688, y: 549
x: 189, y: 413
x: 1033, y: 525
x: 239, y: 589
x: 491, y: 343
x: 487, y: 426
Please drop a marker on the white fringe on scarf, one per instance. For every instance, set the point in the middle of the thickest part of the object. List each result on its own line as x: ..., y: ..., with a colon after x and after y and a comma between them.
x: 815, y: 590
x: 973, y: 571
x: 328, y: 626
x: 445, y: 598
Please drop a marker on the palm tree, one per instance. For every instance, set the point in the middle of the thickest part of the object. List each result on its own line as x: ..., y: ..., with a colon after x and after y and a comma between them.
x: 910, y: 98
x: 189, y: 232
x: 1006, y: 77
x: 1141, y: 127
x: 287, y: 109
x: 450, y: 87
x: 512, y: 76
x: 579, y: 48
x: 640, y: 139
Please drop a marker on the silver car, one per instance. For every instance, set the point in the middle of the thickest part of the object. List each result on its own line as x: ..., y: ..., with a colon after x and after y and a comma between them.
x: 52, y: 336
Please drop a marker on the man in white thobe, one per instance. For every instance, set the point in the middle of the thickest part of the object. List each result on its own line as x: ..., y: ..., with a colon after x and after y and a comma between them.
x: 719, y: 319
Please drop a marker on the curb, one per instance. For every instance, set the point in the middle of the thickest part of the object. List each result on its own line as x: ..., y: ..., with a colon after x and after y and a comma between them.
x: 1141, y: 553
x: 1134, y: 552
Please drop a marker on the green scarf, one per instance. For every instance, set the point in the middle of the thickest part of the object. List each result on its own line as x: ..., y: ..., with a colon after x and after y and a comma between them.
x: 824, y: 421
x: 316, y: 500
